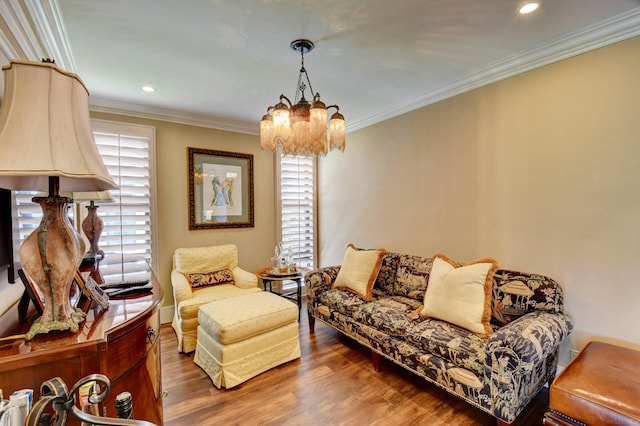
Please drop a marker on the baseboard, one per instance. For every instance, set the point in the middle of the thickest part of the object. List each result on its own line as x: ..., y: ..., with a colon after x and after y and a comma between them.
x: 166, y: 314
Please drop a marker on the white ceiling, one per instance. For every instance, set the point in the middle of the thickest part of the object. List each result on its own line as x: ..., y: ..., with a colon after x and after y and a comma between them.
x: 220, y: 63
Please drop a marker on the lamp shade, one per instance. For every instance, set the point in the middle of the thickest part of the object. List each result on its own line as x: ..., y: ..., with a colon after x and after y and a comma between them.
x: 95, y: 196
x: 45, y: 131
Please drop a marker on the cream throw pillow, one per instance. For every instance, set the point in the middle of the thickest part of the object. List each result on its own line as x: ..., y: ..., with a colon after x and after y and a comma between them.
x: 459, y: 294
x: 359, y: 271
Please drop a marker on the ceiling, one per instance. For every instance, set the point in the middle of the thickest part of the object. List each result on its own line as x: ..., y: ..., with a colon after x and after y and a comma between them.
x: 220, y: 63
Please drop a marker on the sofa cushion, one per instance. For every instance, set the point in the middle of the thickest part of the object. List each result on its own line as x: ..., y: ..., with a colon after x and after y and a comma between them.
x: 341, y: 301
x: 455, y: 344
x: 412, y: 276
x: 459, y: 294
x: 359, y: 271
x: 386, y: 314
x: 202, y: 279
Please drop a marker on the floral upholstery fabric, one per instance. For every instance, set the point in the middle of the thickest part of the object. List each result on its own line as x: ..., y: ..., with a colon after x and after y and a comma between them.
x: 412, y: 276
x: 387, y: 275
x: 516, y: 294
x: 499, y: 374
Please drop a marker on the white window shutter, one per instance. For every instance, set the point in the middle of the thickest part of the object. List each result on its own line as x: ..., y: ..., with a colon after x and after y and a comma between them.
x: 297, y: 202
x: 129, y: 222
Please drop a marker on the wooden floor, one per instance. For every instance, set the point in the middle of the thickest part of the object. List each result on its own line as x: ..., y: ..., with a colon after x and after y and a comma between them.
x: 333, y: 383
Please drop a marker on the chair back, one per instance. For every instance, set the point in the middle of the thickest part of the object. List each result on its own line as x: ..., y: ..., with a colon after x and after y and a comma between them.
x: 205, y: 259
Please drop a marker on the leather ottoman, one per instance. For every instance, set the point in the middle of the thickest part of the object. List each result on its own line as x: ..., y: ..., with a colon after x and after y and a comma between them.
x: 601, y: 386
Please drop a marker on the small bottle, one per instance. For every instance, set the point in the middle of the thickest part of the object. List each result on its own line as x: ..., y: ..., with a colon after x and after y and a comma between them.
x: 124, y: 406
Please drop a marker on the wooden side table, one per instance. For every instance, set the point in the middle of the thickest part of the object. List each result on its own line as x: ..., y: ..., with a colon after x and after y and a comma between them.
x: 267, y: 279
x: 121, y: 342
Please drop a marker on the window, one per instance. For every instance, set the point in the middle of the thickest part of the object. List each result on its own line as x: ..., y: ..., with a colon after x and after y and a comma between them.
x: 129, y: 222
x: 296, y: 201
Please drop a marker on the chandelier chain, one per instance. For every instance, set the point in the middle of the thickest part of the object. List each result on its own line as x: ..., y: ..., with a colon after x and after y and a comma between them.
x: 300, y: 88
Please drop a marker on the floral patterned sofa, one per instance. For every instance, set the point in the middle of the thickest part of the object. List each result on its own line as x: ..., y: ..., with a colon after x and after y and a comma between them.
x: 499, y: 374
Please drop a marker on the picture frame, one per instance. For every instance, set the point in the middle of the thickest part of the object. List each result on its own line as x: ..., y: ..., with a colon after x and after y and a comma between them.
x: 91, y: 290
x: 220, y: 189
x: 31, y: 294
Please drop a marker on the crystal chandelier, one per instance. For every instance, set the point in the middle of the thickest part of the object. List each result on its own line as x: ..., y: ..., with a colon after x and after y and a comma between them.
x: 301, y: 128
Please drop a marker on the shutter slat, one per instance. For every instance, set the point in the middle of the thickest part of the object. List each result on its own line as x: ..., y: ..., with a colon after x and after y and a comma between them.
x: 297, y: 207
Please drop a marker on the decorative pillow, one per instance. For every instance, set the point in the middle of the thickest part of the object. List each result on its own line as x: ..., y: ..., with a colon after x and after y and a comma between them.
x: 459, y: 294
x: 359, y: 271
x: 201, y: 279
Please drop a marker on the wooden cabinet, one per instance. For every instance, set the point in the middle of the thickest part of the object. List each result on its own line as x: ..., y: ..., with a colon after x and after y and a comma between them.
x: 122, y: 342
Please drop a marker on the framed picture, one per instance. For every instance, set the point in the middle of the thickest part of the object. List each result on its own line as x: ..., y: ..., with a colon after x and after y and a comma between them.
x: 91, y: 290
x: 33, y: 292
x: 220, y: 189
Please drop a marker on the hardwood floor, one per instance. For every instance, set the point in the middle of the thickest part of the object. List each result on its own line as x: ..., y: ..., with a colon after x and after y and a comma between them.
x: 333, y: 383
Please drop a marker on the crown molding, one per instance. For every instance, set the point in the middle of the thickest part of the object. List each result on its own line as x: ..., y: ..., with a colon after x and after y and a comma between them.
x: 109, y: 106
x: 23, y: 43
x: 49, y: 25
x: 604, y: 33
x: 53, y: 41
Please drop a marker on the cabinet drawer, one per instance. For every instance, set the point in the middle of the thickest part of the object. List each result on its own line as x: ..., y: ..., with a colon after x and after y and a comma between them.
x: 126, y: 351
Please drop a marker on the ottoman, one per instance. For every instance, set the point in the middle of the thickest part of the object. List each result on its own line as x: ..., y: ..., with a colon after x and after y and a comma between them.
x: 243, y: 336
x: 600, y: 386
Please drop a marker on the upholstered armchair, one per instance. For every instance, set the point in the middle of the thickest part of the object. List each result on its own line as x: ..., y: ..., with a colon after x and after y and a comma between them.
x: 201, y: 275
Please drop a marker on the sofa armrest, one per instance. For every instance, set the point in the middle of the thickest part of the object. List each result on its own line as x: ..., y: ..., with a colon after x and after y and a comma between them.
x: 181, y: 287
x: 320, y: 280
x: 244, y: 279
x: 528, y: 340
x: 521, y: 357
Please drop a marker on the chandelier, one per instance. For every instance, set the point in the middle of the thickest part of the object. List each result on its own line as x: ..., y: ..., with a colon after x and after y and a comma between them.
x: 300, y: 128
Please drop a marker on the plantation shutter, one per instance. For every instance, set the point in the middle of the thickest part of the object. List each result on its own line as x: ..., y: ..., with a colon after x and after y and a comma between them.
x: 297, y: 185
x: 128, y: 152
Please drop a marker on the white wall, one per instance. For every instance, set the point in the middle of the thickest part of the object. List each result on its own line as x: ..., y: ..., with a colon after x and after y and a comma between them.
x: 540, y: 171
x: 9, y: 293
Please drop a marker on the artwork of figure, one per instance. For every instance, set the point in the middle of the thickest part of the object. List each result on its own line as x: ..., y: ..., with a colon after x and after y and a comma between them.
x: 219, y: 192
x: 229, y: 186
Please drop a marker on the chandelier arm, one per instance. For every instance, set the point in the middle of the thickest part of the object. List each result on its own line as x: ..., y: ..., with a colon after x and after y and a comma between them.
x: 333, y: 106
x: 286, y: 99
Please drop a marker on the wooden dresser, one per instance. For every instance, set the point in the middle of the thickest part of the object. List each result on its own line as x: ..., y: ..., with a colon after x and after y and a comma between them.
x: 122, y: 342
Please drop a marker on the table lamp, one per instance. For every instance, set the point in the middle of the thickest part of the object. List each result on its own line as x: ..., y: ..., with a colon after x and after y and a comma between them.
x: 46, y: 143
x: 92, y: 225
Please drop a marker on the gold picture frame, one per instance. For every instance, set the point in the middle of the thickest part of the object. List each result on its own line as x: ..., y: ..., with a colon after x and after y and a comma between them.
x: 220, y: 189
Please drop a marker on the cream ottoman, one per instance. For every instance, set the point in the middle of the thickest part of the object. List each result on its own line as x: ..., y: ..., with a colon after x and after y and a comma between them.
x: 243, y: 336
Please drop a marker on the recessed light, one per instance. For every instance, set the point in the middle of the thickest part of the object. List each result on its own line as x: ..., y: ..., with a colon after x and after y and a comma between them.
x: 148, y: 89
x: 529, y: 7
